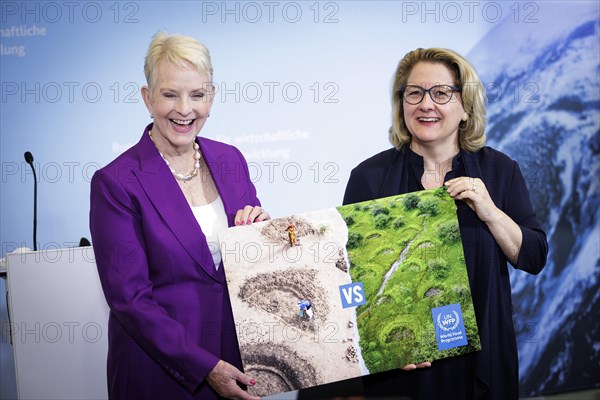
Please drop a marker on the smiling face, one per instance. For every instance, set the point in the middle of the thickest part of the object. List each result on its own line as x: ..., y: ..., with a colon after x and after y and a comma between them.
x: 180, y: 100
x: 431, y: 124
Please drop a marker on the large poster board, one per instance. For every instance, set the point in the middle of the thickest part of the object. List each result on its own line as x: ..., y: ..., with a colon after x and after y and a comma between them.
x: 334, y: 294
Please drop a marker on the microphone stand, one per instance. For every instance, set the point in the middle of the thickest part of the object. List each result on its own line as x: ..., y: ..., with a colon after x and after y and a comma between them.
x: 34, y: 209
x: 29, y: 160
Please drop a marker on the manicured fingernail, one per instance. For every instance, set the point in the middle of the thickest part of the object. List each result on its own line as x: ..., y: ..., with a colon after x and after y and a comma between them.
x: 237, y: 223
x: 249, y: 221
x: 252, y: 382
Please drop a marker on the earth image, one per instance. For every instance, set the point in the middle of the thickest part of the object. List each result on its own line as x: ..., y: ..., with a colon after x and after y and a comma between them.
x: 282, y: 347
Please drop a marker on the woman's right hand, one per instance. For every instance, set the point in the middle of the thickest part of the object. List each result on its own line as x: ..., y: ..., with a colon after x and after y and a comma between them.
x: 224, y: 378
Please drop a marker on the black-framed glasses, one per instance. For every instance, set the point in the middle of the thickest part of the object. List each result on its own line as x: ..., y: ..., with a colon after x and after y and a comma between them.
x: 440, y: 94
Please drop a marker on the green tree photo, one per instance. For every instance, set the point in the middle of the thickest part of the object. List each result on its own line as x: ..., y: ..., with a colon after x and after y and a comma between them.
x: 418, y: 246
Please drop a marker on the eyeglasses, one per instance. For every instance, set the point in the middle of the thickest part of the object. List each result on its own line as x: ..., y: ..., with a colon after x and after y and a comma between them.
x: 440, y: 94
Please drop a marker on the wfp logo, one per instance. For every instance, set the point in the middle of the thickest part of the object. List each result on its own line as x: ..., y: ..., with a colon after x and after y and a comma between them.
x: 448, y: 322
x: 449, y: 326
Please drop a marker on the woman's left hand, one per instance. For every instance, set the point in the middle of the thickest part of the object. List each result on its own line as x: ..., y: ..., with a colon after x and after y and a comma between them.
x: 250, y: 214
x: 474, y: 193
x: 411, y: 367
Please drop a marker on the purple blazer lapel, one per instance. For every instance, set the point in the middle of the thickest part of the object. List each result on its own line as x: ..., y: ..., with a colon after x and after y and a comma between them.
x: 164, y: 193
x: 224, y: 170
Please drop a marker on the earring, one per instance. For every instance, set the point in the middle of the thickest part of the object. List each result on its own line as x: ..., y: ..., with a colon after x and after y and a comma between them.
x: 151, y: 116
x: 465, y: 117
x: 208, y: 115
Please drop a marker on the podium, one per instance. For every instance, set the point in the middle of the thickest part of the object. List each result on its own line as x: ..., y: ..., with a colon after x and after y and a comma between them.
x: 58, y: 324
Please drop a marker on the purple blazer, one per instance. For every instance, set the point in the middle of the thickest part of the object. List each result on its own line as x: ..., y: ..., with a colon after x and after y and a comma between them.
x: 170, y: 316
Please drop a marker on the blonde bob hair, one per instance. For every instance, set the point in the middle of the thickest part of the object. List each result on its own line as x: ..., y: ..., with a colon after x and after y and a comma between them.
x: 179, y: 50
x: 471, y: 135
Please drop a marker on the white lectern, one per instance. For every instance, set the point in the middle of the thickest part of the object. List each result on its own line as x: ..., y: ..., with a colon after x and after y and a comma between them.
x: 59, y: 319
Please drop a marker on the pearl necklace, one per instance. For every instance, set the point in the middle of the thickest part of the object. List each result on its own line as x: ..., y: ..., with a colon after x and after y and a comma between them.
x: 178, y: 175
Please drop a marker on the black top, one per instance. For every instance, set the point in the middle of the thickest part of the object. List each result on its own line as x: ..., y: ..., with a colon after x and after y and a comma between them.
x: 491, y: 373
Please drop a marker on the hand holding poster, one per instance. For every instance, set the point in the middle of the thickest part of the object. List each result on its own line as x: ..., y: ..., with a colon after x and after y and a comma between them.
x: 334, y: 294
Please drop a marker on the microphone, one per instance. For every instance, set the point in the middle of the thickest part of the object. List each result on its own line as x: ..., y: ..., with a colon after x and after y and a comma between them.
x: 29, y: 160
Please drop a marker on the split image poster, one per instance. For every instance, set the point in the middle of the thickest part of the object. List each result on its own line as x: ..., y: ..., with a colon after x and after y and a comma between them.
x: 329, y: 295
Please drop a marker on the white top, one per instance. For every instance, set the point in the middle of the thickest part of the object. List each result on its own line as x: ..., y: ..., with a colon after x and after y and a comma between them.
x: 213, y: 220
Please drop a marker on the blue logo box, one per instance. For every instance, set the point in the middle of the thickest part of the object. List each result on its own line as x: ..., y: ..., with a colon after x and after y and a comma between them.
x: 449, y: 326
x: 352, y: 294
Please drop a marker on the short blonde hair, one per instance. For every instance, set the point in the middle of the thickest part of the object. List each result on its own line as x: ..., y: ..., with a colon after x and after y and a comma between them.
x: 471, y: 132
x: 177, y: 49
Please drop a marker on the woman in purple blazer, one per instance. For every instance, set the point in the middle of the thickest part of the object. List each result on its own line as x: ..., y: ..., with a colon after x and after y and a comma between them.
x: 155, y: 214
x: 437, y: 131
